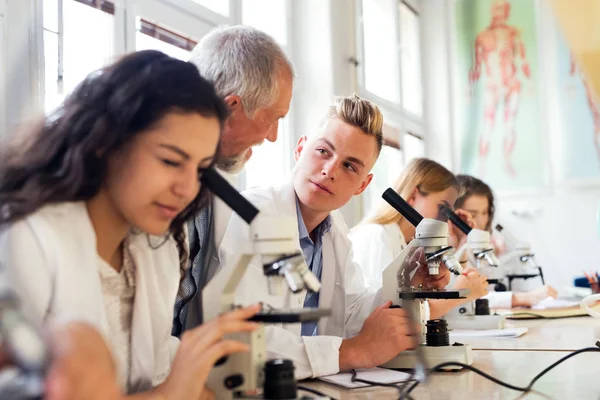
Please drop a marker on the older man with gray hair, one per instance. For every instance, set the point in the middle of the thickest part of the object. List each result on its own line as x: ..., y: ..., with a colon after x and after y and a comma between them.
x: 254, y: 76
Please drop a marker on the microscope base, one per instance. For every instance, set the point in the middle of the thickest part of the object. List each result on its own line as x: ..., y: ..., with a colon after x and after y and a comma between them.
x: 471, y: 322
x: 433, y: 356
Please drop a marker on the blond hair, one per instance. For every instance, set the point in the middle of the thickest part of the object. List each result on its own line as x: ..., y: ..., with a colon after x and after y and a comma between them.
x: 360, y: 113
x: 422, y: 173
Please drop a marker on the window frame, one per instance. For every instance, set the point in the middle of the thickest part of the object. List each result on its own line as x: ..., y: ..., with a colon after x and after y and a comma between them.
x: 183, y: 17
x: 110, y: 7
x: 395, y: 114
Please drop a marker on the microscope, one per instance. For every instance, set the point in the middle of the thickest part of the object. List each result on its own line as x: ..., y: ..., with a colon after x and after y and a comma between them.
x: 26, y: 349
x: 430, y: 245
x: 272, y: 241
x: 480, y: 253
x: 519, y: 262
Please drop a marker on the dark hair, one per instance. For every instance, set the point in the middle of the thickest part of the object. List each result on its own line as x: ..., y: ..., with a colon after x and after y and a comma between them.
x: 66, y: 158
x: 472, y: 186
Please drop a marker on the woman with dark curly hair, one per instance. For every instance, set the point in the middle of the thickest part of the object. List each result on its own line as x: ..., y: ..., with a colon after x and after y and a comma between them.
x: 89, y: 202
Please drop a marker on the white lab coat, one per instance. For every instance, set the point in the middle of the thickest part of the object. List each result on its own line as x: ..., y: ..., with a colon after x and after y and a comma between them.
x: 375, y: 247
x: 50, y: 260
x: 343, y: 289
x: 499, y: 299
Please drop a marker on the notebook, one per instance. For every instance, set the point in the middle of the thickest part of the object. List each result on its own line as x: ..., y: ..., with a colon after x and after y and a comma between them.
x: 488, y: 333
x: 549, y: 312
x: 549, y: 303
x: 377, y: 374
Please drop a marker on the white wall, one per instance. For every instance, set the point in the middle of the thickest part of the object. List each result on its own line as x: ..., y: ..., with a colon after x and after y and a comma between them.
x: 3, y: 63
x: 560, y: 223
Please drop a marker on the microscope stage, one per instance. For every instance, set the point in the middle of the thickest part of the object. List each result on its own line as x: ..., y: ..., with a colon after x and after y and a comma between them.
x: 433, y: 294
x: 288, y: 316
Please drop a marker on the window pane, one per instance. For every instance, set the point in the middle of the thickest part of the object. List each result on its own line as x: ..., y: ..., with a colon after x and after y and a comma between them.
x: 268, y: 16
x: 386, y: 170
x: 380, y: 47
x: 143, y: 41
x: 51, y: 15
x: 413, y: 147
x: 88, y: 41
x: 411, y: 60
x: 52, y: 97
x: 88, y: 45
x: 268, y: 165
x: 218, y: 6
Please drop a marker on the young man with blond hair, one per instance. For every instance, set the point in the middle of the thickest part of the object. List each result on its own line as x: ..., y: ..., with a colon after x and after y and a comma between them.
x: 332, y: 165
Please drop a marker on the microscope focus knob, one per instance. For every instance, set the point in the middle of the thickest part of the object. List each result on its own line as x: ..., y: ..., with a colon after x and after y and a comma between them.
x: 233, y: 381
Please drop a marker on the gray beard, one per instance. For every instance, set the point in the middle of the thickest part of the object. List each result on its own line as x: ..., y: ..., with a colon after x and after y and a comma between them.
x: 231, y: 165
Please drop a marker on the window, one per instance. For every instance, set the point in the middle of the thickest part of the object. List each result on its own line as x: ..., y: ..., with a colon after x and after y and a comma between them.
x: 78, y: 39
x: 270, y: 162
x: 381, y: 67
x: 218, y: 6
x: 414, y: 146
x: 389, y: 50
x: 268, y: 16
x: 153, y: 36
x: 410, y: 57
x: 387, y: 168
x: 389, y: 74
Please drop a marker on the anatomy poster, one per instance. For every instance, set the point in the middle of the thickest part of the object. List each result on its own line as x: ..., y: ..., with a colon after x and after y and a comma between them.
x: 496, y: 98
x: 579, y: 142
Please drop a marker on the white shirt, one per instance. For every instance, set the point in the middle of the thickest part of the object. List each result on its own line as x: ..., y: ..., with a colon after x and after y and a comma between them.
x: 375, y: 247
x: 499, y: 299
x: 50, y: 260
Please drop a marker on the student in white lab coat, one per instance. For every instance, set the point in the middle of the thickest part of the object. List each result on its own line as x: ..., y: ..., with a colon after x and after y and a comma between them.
x: 331, y: 166
x: 477, y: 199
x: 380, y: 238
x: 88, y: 201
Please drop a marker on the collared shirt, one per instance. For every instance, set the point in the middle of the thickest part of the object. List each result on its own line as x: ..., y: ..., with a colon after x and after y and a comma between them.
x: 313, y: 255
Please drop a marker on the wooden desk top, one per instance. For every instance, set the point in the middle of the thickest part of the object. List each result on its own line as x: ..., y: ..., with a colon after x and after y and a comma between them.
x: 565, y: 334
x: 577, y: 378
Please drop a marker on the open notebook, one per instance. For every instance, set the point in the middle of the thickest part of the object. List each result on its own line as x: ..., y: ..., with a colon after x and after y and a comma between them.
x: 379, y: 375
x: 549, y: 308
x: 458, y: 334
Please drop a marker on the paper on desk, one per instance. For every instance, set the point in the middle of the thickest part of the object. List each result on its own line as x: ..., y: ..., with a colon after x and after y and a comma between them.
x: 488, y: 333
x: 379, y: 375
x: 549, y: 302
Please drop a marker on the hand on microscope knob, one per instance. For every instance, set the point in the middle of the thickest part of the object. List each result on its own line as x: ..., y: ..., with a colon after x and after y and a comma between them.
x: 531, y: 298
x: 422, y: 277
x: 474, y: 281
x: 457, y: 237
x: 200, y: 349
x: 384, y: 334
